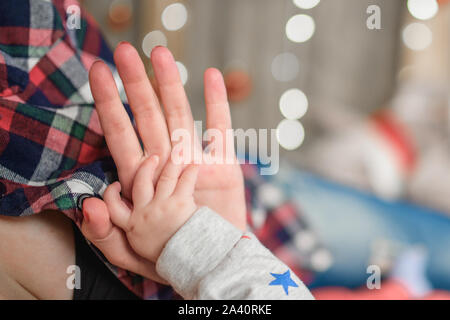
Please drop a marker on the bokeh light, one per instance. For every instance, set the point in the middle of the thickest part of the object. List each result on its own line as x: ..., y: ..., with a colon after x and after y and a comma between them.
x: 290, y: 134
x: 423, y: 9
x: 238, y: 83
x: 300, y: 28
x: 119, y: 14
x: 270, y: 195
x: 305, y: 241
x: 293, y: 104
x: 153, y: 39
x: 174, y: 16
x: 285, y: 67
x: 183, y: 72
x: 417, y: 36
x: 306, y: 4
x: 321, y: 260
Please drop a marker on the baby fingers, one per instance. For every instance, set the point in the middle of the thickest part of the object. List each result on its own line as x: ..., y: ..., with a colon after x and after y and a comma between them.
x: 143, y: 189
x: 168, y: 180
x: 186, y: 183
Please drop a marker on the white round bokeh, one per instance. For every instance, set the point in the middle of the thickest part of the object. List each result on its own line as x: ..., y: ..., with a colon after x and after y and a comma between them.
x: 270, y: 196
x: 306, y: 4
x: 153, y: 39
x: 321, y: 260
x: 417, y: 36
x: 285, y: 67
x: 300, y: 28
x: 305, y: 241
x: 293, y: 104
x: 423, y: 9
x: 290, y: 134
x: 174, y: 16
x: 182, y: 70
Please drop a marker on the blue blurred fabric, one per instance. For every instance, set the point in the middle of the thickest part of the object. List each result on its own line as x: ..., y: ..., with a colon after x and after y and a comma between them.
x: 349, y: 222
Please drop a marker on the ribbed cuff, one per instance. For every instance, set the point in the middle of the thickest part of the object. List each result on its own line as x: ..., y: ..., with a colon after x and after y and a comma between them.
x: 196, y: 249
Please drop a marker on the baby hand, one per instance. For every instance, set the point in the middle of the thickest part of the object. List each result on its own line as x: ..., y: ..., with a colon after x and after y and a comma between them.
x: 156, y: 213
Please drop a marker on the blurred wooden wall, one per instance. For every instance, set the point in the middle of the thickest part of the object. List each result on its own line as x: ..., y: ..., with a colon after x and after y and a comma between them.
x: 146, y: 17
x: 344, y: 66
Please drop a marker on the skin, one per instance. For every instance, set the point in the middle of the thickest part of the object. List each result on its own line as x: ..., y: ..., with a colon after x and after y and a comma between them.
x: 219, y: 186
x: 158, y: 211
x: 50, y: 249
x: 34, y: 259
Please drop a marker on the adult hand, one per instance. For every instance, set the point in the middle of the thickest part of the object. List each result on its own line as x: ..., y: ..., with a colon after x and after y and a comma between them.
x: 219, y: 186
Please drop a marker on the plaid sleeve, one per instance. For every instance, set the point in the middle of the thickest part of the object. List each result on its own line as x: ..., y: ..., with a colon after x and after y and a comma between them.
x: 52, y: 149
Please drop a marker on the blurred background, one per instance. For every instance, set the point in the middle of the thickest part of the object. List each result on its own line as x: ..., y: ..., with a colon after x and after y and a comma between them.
x: 359, y: 93
x: 316, y: 71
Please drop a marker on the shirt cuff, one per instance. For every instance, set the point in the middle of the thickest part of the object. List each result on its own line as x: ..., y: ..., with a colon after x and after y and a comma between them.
x: 196, y: 249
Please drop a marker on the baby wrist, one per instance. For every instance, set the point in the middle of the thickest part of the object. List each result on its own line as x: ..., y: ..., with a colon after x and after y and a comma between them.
x: 196, y: 249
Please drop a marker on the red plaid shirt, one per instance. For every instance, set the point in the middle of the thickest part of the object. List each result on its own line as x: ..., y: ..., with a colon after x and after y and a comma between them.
x: 52, y: 149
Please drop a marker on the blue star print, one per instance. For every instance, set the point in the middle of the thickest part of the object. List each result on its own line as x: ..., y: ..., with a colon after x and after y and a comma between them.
x: 283, y: 279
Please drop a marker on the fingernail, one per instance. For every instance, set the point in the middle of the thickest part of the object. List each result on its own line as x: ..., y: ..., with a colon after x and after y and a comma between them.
x: 124, y: 42
x: 96, y: 61
x: 158, y: 46
x: 118, y: 185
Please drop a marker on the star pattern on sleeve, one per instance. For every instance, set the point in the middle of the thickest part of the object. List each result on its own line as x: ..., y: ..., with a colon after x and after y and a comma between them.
x: 283, y: 279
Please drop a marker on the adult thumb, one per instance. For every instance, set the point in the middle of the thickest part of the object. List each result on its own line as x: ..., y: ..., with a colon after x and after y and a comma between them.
x: 96, y: 223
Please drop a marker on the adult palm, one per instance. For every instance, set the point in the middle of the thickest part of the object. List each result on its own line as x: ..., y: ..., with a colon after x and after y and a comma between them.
x: 219, y: 186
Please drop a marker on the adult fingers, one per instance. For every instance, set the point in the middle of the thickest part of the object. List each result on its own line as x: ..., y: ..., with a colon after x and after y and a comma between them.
x: 96, y: 223
x: 119, y: 212
x: 176, y: 106
x: 143, y: 101
x: 218, y: 110
x: 155, y: 86
x: 119, y: 132
x: 112, y: 241
x: 143, y: 182
x: 217, y: 107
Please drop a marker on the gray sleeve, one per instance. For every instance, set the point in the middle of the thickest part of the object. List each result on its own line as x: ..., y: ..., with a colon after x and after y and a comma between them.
x: 208, y: 258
